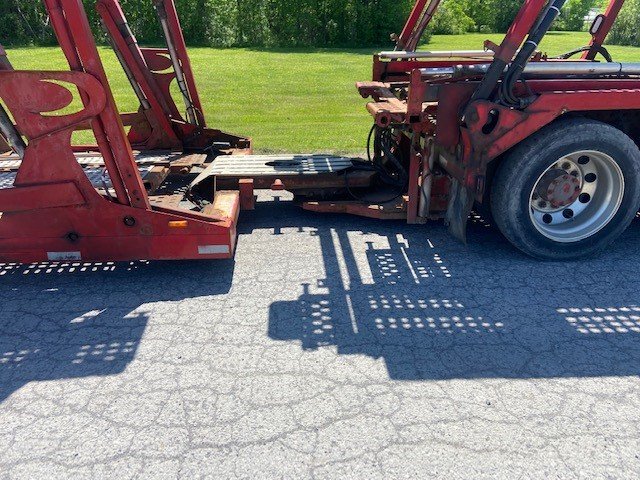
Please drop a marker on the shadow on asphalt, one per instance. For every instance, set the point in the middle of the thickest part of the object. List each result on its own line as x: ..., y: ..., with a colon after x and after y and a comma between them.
x: 435, y: 309
x: 429, y: 306
x: 85, y: 319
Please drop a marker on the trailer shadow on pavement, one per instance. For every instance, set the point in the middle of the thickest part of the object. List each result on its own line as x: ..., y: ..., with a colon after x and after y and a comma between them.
x: 432, y: 308
x: 428, y: 306
x: 62, y: 321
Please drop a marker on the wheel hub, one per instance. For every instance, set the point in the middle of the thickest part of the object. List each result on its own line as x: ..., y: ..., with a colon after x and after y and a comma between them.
x: 576, y: 196
x: 559, y: 188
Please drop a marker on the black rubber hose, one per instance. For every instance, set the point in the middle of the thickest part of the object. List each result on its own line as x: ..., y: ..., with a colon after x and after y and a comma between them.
x: 528, y: 48
x: 383, y: 140
x: 597, y: 48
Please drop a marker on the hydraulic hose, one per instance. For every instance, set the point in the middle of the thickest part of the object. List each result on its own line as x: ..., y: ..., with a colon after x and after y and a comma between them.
x: 529, y: 47
x: 383, y: 145
x: 588, y: 48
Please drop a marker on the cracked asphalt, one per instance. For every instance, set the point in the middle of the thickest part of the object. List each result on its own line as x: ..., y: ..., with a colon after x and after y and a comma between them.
x: 332, y: 347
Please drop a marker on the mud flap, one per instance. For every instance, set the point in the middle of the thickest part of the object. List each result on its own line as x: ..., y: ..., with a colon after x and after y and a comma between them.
x: 458, y: 210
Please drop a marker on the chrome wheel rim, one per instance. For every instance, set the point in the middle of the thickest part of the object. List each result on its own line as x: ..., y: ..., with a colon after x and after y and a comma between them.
x: 576, y: 196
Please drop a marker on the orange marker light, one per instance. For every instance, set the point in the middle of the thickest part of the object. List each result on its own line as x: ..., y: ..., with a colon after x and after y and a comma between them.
x: 178, y: 224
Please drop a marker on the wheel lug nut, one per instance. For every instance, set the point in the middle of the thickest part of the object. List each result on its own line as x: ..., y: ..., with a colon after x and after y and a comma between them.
x: 566, y: 166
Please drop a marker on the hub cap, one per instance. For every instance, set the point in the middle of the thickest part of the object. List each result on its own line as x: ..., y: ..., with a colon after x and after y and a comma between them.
x: 576, y: 196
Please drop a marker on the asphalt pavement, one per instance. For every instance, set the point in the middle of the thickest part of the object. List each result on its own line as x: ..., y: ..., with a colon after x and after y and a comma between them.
x: 332, y: 347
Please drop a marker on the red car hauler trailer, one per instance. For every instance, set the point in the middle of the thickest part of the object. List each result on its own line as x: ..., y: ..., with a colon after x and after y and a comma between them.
x: 546, y: 146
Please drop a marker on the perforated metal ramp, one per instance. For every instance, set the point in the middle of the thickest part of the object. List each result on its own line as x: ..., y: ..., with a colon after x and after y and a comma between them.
x: 142, y: 158
x: 296, y: 172
x: 96, y: 175
x: 93, y: 165
x: 252, y: 166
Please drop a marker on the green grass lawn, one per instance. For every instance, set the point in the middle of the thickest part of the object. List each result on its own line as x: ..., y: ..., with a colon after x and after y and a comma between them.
x: 290, y: 100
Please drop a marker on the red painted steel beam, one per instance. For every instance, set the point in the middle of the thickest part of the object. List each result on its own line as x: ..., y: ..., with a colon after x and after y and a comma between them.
x: 520, y: 27
x: 116, y: 24
x: 597, y: 39
x: 247, y: 196
x: 5, y: 64
x: 21, y: 199
x: 514, y: 126
x: 67, y: 44
x: 53, y: 212
x: 412, y: 21
x: 115, y: 21
x: 74, y: 34
x: 29, y: 93
x: 181, y: 48
x: 416, y: 24
x: 110, y: 117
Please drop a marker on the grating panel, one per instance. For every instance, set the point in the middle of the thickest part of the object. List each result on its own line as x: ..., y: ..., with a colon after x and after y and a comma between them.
x: 11, y: 162
x: 270, y: 165
x: 95, y: 175
x: 93, y: 166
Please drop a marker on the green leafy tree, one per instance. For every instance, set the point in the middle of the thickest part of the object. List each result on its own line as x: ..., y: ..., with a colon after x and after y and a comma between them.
x: 625, y: 30
x: 293, y: 23
x: 452, y: 18
x: 24, y: 22
x: 573, y: 15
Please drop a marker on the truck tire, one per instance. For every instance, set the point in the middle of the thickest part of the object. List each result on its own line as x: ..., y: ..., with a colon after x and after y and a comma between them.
x: 567, y: 191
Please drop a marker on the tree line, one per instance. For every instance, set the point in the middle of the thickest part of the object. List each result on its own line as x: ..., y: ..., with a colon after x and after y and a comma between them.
x: 294, y: 23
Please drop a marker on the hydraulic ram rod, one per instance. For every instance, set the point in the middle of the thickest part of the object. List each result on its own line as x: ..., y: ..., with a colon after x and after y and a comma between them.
x: 401, y: 54
x: 9, y: 132
x: 7, y: 128
x: 127, y: 70
x: 539, y: 69
x: 175, y: 60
